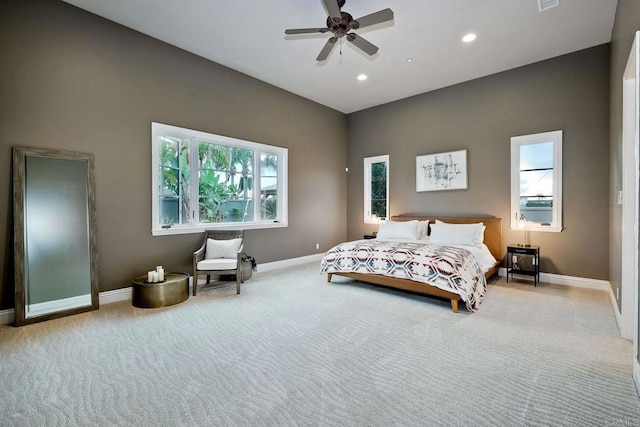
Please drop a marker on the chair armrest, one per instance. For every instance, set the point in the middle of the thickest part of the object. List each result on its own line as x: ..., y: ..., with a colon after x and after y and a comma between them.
x: 239, y: 255
x: 199, y: 254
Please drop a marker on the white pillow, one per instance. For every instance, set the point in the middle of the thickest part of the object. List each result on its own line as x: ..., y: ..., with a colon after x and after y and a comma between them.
x: 222, y: 248
x: 457, y: 234
x: 398, y: 230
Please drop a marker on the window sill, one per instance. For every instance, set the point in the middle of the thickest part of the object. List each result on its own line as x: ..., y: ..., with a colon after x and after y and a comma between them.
x: 229, y: 226
x: 545, y: 228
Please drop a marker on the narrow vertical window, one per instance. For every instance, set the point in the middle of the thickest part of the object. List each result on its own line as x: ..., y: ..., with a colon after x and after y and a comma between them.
x: 268, y: 187
x: 376, y: 189
x: 175, y: 188
x: 536, y: 181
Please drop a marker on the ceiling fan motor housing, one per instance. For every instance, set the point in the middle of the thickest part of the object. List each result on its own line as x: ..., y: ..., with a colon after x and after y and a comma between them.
x: 340, y: 23
x: 341, y: 27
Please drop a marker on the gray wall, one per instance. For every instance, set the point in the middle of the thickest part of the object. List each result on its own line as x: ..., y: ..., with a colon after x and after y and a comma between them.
x: 71, y: 80
x: 570, y: 92
x: 626, y: 24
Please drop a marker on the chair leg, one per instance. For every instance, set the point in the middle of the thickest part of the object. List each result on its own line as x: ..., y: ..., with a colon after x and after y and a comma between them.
x: 208, y: 279
x: 238, y: 283
x: 195, y: 284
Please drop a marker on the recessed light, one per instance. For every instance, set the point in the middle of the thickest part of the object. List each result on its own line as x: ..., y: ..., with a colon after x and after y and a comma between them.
x: 468, y: 38
x: 409, y: 59
x: 362, y: 77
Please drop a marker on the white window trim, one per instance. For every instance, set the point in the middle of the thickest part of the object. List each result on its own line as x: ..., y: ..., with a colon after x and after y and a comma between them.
x: 159, y: 129
x: 368, y: 161
x: 516, y: 142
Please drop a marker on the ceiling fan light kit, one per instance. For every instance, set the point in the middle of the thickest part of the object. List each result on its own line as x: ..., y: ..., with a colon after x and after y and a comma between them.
x: 341, y: 23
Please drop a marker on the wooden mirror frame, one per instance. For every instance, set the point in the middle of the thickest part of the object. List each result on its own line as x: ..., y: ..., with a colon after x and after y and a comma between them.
x: 20, y: 257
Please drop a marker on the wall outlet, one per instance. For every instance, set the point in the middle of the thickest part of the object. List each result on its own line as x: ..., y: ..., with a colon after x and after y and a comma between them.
x: 619, y: 197
x: 317, y: 245
x: 514, y: 258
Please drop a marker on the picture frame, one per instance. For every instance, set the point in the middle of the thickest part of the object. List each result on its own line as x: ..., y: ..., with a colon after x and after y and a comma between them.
x: 441, y: 171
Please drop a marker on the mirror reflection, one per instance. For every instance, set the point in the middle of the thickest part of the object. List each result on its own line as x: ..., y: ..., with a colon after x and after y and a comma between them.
x: 54, y: 229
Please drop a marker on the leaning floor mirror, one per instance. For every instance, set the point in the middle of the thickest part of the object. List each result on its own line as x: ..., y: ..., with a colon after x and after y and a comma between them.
x: 54, y: 237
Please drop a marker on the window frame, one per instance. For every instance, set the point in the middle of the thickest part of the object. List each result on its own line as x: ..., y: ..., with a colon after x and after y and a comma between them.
x: 516, y: 142
x: 194, y: 226
x: 368, y: 162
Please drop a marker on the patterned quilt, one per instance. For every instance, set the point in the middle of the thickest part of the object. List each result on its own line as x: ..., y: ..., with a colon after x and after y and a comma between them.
x: 450, y: 268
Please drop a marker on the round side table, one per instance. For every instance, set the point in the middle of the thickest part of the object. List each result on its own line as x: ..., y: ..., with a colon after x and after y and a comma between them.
x: 173, y: 290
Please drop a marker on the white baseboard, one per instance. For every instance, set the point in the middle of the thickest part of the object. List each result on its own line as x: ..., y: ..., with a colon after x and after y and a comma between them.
x: 6, y: 316
x: 122, y: 294
x: 616, y: 310
x: 276, y: 265
x: 578, y: 282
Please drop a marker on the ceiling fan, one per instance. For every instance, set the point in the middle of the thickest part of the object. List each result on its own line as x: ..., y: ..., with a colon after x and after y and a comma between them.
x: 340, y: 23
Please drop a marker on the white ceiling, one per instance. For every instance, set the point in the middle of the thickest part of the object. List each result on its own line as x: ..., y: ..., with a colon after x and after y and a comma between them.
x: 248, y: 36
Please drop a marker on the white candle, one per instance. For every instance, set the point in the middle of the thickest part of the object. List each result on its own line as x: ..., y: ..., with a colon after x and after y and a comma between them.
x: 154, y: 276
x: 161, y: 274
x: 150, y: 276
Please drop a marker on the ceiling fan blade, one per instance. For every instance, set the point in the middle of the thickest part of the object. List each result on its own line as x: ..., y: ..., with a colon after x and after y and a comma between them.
x: 333, y: 9
x: 306, y: 30
x: 326, y: 50
x: 362, y: 44
x: 374, y: 18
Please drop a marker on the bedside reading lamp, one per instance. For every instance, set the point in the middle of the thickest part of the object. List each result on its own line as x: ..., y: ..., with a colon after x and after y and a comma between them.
x: 522, y: 223
x: 377, y: 220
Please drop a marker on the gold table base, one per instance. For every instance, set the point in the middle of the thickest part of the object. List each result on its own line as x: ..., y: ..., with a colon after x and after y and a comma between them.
x: 174, y: 290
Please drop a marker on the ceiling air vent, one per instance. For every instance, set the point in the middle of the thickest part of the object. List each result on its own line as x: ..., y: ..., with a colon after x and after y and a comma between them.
x: 547, y: 4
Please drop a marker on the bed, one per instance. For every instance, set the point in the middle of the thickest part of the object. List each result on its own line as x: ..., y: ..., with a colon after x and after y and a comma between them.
x: 333, y: 262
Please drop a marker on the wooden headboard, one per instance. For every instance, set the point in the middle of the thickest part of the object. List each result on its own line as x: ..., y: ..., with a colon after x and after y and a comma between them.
x: 492, y: 234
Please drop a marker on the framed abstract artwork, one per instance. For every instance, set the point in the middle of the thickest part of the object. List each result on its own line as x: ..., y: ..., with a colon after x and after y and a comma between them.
x: 442, y: 171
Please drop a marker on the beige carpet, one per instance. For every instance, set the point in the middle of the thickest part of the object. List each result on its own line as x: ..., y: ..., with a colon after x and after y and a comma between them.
x: 294, y: 350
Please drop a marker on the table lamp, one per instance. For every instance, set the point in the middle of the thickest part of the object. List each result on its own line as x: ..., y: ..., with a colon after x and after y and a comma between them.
x: 522, y: 223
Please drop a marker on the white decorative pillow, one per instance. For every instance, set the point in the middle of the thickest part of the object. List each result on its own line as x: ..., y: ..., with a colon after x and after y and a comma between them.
x: 398, y: 230
x: 457, y: 234
x: 222, y: 248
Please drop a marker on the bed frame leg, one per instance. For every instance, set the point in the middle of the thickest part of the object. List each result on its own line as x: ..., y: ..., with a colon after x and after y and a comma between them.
x: 454, y: 305
x: 329, y: 277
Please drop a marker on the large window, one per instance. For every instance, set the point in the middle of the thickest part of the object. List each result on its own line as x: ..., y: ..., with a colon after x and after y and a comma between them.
x: 376, y: 189
x: 202, y: 181
x: 536, y: 181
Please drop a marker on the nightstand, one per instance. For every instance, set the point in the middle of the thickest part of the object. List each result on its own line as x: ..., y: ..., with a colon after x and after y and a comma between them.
x: 515, y: 255
x: 370, y: 236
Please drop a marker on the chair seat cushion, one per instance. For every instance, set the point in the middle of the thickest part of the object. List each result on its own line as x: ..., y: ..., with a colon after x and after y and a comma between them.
x: 218, y: 264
